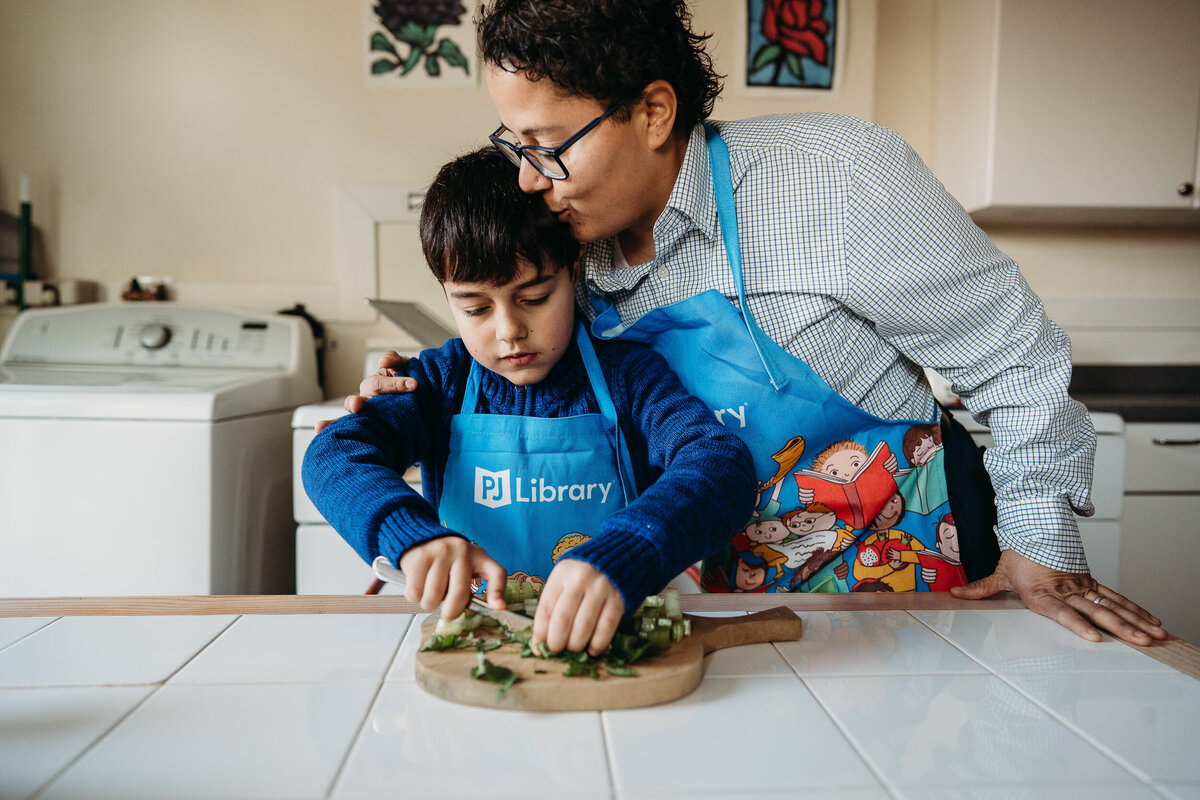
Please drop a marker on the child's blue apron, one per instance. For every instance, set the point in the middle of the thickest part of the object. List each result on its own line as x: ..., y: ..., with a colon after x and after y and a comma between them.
x: 879, y: 532
x: 526, y: 489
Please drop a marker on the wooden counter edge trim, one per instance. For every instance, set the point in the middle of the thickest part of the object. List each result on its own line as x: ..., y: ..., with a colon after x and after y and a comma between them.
x: 395, y: 604
x: 1176, y: 653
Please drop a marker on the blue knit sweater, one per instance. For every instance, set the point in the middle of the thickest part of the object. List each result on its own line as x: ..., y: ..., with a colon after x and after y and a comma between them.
x: 695, y: 478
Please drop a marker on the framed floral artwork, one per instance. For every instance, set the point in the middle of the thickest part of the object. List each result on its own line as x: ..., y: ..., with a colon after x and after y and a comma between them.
x: 420, y: 43
x: 793, y: 44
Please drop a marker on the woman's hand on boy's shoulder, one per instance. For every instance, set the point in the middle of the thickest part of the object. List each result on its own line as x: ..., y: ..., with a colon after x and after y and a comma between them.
x: 383, y: 381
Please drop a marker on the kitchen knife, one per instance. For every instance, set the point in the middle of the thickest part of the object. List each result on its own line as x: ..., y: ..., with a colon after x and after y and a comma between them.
x: 511, y: 619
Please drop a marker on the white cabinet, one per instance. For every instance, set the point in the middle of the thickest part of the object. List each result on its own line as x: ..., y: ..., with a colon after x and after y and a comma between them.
x: 1160, y: 524
x: 1101, y: 532
x: 1068, y: 110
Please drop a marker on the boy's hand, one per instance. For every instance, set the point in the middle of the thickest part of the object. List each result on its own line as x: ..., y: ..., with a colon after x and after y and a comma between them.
x: 439, y: 572
x: 578, y: 608
x: 382, y: 382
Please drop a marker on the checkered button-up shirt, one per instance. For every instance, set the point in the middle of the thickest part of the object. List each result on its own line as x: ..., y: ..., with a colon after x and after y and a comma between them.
x: 858, y: 262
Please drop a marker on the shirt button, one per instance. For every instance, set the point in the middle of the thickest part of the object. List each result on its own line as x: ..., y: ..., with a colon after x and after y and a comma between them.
x: 662, y: 272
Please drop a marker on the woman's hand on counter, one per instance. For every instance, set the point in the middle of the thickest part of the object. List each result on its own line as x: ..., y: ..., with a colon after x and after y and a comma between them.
x: 1068, y: 598
x: 384, y: 381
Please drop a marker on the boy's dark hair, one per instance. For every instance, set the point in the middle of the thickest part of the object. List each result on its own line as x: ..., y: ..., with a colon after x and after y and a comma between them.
x: 476, y: 221
x: 609, y: 50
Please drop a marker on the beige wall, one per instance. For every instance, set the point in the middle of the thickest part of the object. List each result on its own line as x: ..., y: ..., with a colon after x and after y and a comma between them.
x: 1125, y: 295
x: 206, y: 140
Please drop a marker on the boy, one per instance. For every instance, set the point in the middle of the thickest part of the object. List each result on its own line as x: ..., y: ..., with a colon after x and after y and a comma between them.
x: 513, y: 453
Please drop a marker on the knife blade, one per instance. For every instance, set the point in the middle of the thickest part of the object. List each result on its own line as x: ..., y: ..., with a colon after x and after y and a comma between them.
x: 511, y: 619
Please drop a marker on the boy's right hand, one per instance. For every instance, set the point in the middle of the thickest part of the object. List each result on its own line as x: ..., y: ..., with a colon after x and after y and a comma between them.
x: 440, y: 571
x: 384, y: 381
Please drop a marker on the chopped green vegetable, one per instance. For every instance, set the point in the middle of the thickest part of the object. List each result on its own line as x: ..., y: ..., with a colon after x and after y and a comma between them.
x: 503, y: 677
x: 439, y: 641
x: 451, y: 627
x: 650, y: 630
x: 576, y: 668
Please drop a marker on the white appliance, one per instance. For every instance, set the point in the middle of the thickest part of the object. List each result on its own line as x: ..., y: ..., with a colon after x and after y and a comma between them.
x: 144, y: 450
x: 325, y: 564
x: 1101, y: 532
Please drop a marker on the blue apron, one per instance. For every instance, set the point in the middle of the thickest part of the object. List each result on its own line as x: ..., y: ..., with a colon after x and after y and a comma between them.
x: 847, y: 501
x: 527, y: 489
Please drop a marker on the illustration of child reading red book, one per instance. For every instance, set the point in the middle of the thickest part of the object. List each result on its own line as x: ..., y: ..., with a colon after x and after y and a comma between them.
x: 855, y: 484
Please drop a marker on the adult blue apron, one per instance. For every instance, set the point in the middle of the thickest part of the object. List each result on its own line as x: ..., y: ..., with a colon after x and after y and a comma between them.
x: 527, y: 489
x: 845, y: 503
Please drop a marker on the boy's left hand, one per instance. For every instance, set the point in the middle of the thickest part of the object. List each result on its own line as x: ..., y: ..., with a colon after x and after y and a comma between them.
x: 578, y: 608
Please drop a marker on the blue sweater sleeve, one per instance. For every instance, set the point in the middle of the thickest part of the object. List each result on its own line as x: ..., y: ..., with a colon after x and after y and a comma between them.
x: 354, y: 469
x: 696, y: 478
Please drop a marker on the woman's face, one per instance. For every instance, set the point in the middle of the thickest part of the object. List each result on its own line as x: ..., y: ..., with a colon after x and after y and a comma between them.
x: 608, y: 189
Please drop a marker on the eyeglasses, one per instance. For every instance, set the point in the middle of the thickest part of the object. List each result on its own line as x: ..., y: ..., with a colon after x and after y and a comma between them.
x: 545, y: 159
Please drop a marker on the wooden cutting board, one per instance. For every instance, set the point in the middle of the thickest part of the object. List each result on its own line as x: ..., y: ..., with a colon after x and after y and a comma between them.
x: 543, y: 687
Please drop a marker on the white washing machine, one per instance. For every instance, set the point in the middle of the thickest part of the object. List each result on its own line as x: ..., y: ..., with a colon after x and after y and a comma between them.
x: 145, y: 450
x: 325, y: 564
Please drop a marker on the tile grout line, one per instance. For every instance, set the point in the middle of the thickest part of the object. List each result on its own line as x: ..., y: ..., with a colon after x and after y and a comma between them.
x: 358, y: 734
x: 875, y: 771
x: 1103, y: 749
x: 609, y: 758
x: 158, y: 687
x: 1129, y: 768
x: 20, y: 639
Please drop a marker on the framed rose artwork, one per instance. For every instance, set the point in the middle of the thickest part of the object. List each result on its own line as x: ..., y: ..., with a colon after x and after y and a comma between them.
x: 793, y: 44
x: 420, y: 43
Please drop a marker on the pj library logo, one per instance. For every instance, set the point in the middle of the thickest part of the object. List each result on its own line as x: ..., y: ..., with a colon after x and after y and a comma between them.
x: 498, y: 489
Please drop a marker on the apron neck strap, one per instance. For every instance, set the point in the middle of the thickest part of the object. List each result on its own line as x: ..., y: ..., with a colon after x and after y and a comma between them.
x: 608, y: 409
x: 718, y: 159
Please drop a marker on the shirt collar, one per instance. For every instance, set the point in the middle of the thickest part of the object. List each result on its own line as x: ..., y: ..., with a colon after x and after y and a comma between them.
x: 691, y: 206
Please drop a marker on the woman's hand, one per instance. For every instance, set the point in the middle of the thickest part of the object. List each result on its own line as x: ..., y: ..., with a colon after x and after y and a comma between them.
x: 578, y: 609
x: 384, y: 381
x: 1074, y: 600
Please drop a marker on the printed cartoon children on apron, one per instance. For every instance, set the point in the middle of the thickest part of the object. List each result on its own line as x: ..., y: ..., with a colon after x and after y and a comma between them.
x: 847, y: 501
x: 528, y: 489
x: 858, y: 519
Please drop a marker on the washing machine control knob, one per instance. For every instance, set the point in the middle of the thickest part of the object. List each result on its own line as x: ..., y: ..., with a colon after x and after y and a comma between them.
x: 155, y: 336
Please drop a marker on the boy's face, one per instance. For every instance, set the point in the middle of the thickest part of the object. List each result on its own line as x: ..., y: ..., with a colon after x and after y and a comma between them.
x: 518, y: 330
x: 808, y: 521
x: 947, y: 537
x: 844, y: 463
x: 768, y: 532
x: 924, y: 451
x: 607, y: 190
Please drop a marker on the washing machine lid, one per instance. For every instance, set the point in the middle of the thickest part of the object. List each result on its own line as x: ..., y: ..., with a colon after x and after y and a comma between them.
x: 155, y: 361
x: 307, y: 417
x: 49, y: 392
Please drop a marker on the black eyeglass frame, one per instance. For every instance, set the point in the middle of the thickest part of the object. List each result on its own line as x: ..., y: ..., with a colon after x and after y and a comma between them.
x: 517, y: 152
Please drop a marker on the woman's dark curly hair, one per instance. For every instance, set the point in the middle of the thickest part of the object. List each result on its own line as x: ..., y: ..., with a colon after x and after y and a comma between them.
x: 609, y: 50
x: 476, y: 221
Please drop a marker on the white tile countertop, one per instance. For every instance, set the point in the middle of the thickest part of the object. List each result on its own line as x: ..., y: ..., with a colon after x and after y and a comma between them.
x: 315, y: 698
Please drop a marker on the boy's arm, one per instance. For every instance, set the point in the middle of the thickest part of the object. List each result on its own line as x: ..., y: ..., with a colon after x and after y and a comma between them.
x: 705, y: 486
x: 353, y: 469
